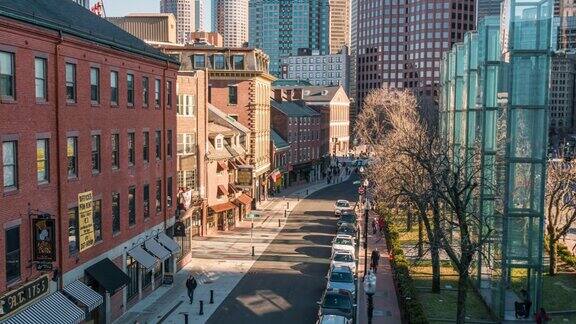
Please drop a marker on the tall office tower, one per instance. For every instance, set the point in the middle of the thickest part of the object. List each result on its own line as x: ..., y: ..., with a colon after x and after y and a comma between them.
x: 283, y: 27
x: 339, y: 25
x: 199, y: 15
x: 232, y: 22
x: 213, y: 15
x: 184, y: 11
x: 83, y: 3
x: 352, y: 76
x: 487, y: 8
x: 400, y: 43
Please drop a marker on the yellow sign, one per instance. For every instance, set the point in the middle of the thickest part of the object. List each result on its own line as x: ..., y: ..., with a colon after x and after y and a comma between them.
x: 85, y: 220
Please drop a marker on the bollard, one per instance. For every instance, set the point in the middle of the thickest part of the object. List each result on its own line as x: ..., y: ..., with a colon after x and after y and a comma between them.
x: 252, y: 250
x: 298, y: 197
x: 185, y: 318
x: 285, y: 213
x: 201, y: 312
x: 287, y: 205
x: 306, y: 192
x: 211, y: 296
x: 279, y: 225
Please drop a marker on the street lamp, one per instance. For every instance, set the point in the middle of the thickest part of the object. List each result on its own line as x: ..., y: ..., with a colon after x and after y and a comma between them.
x: 366, y: 213
x: 361, y: 169
x: 370, y: 290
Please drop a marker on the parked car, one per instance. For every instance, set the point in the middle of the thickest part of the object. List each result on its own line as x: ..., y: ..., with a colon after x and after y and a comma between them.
x: 348, y: 218
x: 342, y: 243
x: 333, y: 319
x: 341, y: 277
x: 341, y: 205
x: 343, y: 259
x: 337, y: 302
x: 348, y: 229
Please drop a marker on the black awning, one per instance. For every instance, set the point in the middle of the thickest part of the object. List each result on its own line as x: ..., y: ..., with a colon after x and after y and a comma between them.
x: 108, y: 275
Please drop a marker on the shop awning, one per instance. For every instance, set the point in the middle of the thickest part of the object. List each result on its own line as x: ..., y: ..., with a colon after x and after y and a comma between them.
x: 244, y: 199
x: 84, y: 295
x: 232, y: 165
x: 55, y: 308
x: 144, y: 258
x: 222, y: 207
x: 168, y: 243
x: 241, y: 161
x: 232, y: 189
x: 222, y: 165
x: 275, y: 175
x: 156, y: 249
x: 108, y: 275
x: 222, y: 190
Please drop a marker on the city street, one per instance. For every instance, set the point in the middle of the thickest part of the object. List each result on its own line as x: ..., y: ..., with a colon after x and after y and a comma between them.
x: 287, y: 280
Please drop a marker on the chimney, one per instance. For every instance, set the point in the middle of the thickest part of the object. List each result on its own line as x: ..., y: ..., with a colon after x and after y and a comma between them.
x: 278, y: 95
x: 297, y: 94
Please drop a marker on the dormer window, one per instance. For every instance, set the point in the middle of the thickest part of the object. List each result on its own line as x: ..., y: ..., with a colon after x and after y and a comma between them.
x: 218, y: 62
x: 219, y: 142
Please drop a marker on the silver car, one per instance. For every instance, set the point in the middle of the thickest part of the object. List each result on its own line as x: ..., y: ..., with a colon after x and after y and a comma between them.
x: 343, y: 259
x: 342, y: 278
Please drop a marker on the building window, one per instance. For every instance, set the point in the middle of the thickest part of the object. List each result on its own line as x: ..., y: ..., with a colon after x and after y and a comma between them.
x: 130, y: 89
x: 10, y: 164
x: 72, y: 154
x: 115, y: 212
x: 95, y: 85
x: 157, y: 92
x: 146, y: 147
x: 73, y: 230
x: 7, y: 75
x: 158, y: 196
x: 97, y: 219
x: 40, y: 78
x: 219, y: 144
x: 218, y: 63
x: 146, y: 200
x: 232, y: 95
x: 186, y: 144
x: 158, y: 141
x: 115, y: 151
x: 114, y: 87
x: 131, y: 150
x: 169, y: 192
x: 71, y: 82
x: 169, y: 93
x: 12, y: 254
x: 238, y: 62
x: 199, y: 61
x: 96, y: 154
x: 209, y: 94
x: 169, y: 142
x: 43, y: 160
x: 133, y: 272
x: 145, y: 90
x: 187, y: 179
x: 186, y: 105
x: 131, y: 205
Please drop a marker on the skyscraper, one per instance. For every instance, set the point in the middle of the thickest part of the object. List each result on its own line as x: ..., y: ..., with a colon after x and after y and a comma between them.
x: 232, y: 21
x: 184, y: 11
x: 283, y: 27
x: 487, y: 8
x: 339, y: 25
x: 83, y: 3
x: 199, y: 14
x: 400, y: 43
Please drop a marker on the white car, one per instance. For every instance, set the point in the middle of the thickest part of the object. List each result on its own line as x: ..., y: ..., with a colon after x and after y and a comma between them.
x: 343, y: 259
x: 342, y: 243
x: 341, y: 205
x: 333, y: 319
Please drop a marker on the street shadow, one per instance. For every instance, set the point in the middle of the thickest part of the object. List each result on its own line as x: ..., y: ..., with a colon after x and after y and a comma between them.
x: 317, y: 229
x: 319, y: 213
x: 311, y: 269
x: 315, y: 251
x: 325, y: 240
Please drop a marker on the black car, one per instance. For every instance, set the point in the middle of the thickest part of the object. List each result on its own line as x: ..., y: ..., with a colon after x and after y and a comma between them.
x: 337, y: 302
x: 348, y: 218
x: 348, y: 229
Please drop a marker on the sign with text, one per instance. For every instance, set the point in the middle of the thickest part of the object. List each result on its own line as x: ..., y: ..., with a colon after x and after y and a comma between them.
x: 23, y: 295
x: 44, y: 239
x: 244, y: 177
x: 85, y: 220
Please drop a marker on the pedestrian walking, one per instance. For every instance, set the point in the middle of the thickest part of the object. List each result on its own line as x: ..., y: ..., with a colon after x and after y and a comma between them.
x: 375, y: 258
x: 191, y: 284
x: 380, y: 222
x: 542, y: 317
x: 374, y: 227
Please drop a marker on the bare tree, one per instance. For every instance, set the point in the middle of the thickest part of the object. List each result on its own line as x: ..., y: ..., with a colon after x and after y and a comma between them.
x: 560, y: 205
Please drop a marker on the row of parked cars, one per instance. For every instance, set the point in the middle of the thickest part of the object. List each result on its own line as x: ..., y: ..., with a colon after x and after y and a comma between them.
x: 338, y: 303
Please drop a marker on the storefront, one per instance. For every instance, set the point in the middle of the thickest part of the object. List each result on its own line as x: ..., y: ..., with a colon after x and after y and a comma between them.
x: 244, y: 203
x: 222, y: 215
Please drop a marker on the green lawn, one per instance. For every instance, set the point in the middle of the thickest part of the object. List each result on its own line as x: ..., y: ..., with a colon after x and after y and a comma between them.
x: 557, y: 319
x: 559, y: 291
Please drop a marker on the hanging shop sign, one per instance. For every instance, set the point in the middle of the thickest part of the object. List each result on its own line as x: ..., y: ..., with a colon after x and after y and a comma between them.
x: 22, y: 296
x: 179, y: 229
x: 85, y: 220
x: 245, y: 177
x: 44, y: 242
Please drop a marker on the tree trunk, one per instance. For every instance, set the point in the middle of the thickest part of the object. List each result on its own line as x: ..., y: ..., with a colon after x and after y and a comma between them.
x: 553, y: 246
x: 420, y: 238
x: 462, y: 295
x: 435, y: 255
x: 409, y: 220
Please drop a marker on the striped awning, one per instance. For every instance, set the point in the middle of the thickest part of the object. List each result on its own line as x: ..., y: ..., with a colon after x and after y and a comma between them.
x: 156, y: 249
x: 55, y: 308
x: 144, y: 258
x: 168, y: 243
x: 84, y: 295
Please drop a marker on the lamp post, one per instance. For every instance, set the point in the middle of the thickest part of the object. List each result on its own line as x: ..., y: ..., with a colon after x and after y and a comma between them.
x: 366, y: 213
x: 370, y: 290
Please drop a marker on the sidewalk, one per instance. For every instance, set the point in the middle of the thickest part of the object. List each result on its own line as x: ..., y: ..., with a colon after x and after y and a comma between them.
x: 386, y: 309
x: 218, y: 262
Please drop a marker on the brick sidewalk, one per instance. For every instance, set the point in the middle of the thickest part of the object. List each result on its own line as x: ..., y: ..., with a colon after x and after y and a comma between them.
x: 386, y: 308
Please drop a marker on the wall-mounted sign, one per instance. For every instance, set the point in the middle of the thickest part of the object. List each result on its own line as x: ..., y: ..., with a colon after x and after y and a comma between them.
x: 85, y: 220
x: 23, y: 295
x: 179, y: 229
x: 44, y: 239
x: 245, y: 177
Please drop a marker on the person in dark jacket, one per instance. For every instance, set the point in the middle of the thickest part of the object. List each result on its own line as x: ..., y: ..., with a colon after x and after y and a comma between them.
x: 375, y: 258
x: 191, y: 284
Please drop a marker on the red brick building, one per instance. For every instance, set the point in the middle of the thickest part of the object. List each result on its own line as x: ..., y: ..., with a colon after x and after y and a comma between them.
x: 300, y: 125
x: 88, y: 158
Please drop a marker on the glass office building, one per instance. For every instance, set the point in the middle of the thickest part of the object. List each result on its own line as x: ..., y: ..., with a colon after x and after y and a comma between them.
x: 494, y: 104
x: 283, y: 27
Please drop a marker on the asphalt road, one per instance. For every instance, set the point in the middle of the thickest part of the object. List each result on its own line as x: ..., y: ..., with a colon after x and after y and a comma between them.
x: 288, y: 279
